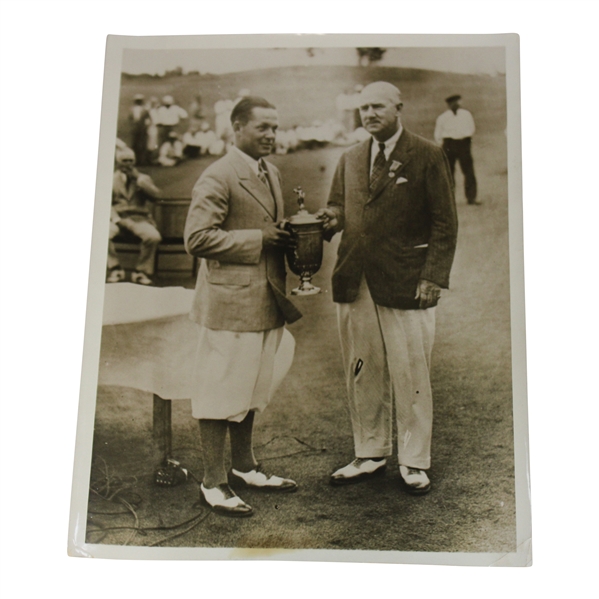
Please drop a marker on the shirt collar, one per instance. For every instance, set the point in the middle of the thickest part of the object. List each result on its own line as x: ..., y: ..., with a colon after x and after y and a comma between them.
x: 391, y: 142
x: 252, y: 162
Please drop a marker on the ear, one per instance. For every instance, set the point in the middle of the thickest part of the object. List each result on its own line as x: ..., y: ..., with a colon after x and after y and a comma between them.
x: 236, y: 126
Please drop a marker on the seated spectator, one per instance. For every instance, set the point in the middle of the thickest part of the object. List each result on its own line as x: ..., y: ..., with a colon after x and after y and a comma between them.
x: 191, y: 145
x: 208, y: 141
x: 201, y: 140
x: 358, y: 135
x: 171, y: 151
x: 286, y: 141
x: 130, y: 192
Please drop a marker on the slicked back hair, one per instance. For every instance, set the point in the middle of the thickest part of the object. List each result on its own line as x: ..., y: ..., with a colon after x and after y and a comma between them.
x: 243, y: 109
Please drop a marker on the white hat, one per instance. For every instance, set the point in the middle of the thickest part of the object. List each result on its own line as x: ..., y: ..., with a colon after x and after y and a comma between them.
x: 124, y: 154
x: 167, y: 100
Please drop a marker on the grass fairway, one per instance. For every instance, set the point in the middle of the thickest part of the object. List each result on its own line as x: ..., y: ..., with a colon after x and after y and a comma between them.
x: 305, y: 433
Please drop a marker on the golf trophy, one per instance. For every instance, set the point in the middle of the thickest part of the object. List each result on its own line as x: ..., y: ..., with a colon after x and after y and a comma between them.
x: 306, y: 258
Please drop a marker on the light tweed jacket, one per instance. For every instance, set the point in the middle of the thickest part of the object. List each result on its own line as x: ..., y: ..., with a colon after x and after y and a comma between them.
x: 240, y: 285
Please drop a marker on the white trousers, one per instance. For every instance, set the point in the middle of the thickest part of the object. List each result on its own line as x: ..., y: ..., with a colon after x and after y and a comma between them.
x: 386, y: 357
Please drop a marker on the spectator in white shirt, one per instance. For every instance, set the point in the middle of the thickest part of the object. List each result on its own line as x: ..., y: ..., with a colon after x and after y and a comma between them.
x: 169, y: 116
x: 171, y: 151
x: 453, y: 131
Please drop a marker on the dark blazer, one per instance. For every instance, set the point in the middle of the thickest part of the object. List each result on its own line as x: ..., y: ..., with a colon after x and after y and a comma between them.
x: 240, y: 286
x: 405, y: 230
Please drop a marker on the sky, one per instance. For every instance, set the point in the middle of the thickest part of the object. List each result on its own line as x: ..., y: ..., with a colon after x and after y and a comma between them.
x: 488, y: 60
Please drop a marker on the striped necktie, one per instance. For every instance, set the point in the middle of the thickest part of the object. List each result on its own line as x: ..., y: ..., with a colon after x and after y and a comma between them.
x: 378, y: 167
x: 263, y: 175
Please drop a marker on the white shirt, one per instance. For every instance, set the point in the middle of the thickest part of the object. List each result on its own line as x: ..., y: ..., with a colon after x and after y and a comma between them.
x: 389, y: 146
x: 170, y: 115
x: 454, y: 126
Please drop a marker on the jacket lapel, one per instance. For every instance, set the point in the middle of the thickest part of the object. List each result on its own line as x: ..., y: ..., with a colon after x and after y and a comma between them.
x: 276, y: 190
x: 362, y: 173
x: 250, y: 182
x: 401, y: 155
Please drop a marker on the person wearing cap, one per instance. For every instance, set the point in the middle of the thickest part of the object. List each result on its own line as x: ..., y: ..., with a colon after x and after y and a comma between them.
x: 240, y: 304
x: 392, y: 198
x: 453, y: 131
x: 169, y: 115
x: 131, y: 190
x: 139, y: 120
x: 171, y: 151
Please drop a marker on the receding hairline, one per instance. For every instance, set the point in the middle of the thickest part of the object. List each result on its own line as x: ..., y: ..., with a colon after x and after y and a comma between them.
x: 381, y: 90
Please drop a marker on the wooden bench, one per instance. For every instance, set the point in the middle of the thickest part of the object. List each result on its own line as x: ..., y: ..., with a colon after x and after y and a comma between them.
x: 170, y: 215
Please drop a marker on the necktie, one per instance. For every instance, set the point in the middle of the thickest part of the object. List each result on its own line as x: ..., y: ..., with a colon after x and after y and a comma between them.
x: 378, y: 167
x: 262, y: 174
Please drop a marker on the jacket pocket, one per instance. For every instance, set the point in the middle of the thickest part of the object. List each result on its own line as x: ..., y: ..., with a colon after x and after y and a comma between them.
x: 222, y: 276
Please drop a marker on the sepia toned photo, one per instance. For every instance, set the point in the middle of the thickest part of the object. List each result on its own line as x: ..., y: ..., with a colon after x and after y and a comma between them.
x: 305, y: 327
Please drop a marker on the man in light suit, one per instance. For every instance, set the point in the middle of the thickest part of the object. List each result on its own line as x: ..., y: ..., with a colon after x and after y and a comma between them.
x: 392, y: 197
x: 240, y: 306
x: 131, y: 193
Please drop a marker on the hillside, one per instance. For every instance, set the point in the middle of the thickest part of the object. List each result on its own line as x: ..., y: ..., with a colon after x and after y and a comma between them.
x: 305, y: 94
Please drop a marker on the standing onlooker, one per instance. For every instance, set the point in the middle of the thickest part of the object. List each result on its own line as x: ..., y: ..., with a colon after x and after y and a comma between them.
x: 196, y: 109
x: 222, y: 123
x: 130, y: 192
x: 152, y: 108
x: 139, y: 120
x: 454, y: 130
x: 169, y: 116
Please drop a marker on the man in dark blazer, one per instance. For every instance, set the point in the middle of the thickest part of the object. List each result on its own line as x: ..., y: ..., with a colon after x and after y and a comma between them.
x: 392, y: 197
x: 240, y: 307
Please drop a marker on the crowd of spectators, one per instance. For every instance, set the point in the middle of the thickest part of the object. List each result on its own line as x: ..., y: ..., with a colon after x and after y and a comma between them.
x: 155, y: 128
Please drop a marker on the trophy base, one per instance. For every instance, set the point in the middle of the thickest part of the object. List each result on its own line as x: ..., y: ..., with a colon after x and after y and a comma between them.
x: 305, y: 289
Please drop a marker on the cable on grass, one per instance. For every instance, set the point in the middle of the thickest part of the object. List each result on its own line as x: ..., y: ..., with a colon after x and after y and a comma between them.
x: 109, y: 490
x: 310, y: 448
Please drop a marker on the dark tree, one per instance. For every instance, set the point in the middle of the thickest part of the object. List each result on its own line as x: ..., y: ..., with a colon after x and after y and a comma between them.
x: 366, y: 56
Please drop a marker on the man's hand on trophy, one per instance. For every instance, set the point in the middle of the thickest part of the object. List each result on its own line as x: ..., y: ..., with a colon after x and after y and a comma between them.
x: 274, y: 235
x: 328, y: 217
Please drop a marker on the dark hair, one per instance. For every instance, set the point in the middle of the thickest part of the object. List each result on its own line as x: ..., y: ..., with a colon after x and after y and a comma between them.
x: 243, y: 109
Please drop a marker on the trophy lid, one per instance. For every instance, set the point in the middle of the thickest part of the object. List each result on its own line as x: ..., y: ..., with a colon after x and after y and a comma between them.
x: 303, y: 217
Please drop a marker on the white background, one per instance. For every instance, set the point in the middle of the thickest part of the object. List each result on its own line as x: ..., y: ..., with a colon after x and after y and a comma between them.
x: 52, y: 61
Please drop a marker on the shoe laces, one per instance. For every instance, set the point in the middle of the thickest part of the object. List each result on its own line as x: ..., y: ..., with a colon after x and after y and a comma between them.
x: 261, y: 470
x: 414, y: 471
x: 226, y: 491
x: 359, y: 461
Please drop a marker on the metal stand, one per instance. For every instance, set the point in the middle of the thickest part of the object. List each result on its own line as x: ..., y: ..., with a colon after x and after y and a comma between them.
x: 169, y: 473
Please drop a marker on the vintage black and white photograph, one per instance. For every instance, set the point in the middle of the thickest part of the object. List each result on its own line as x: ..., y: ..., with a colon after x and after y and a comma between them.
x: 305, y: 329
